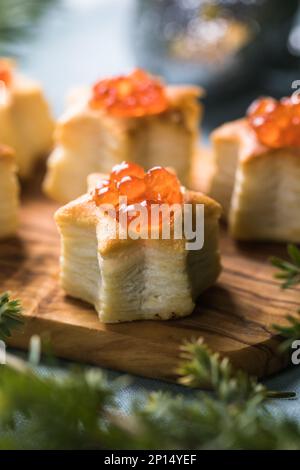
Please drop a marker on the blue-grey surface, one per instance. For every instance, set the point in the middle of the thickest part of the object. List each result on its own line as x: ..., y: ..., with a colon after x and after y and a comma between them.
x: 77, y: 42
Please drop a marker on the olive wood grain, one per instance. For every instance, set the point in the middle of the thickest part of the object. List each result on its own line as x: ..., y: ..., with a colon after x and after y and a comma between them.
x: 234, y: 317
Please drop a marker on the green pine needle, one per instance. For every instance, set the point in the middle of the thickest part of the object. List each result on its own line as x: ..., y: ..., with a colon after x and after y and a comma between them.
x: 289, y: 271
x: 10, y: 315
x: 79, y: 411
x: 291, y: 332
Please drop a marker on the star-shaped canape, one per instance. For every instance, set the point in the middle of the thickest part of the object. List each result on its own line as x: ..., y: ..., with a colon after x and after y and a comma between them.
x: 26, y: 124
x: 257, y: 172
x: 124, y: 272
x: 132, y: 117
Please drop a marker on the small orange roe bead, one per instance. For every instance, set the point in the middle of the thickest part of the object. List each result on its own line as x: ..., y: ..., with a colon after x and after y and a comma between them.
x: 133, y: 95
x: 133, y: 188
x: 162, y: 186
x: 106, y: 195
x: 262, y: 106
x: 126, y: 169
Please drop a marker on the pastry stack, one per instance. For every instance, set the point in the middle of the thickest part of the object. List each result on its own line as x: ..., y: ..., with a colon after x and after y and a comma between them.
x: 123, y: 149
x: 26, y: 131
x: 129, y: 118
x: 136, y: 118
x: 135, y: 277
x: 26, y: 124
x: 257, y: 171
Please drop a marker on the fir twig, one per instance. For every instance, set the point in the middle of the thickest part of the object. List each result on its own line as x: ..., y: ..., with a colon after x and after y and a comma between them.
x: 290, y: 275
x: 289, y: 271
x: 10, y: 315
x: 200, y: 367
x: 291, y: 332
x: 79, y: 411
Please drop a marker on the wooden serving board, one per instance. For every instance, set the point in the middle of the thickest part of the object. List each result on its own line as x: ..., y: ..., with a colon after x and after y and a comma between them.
x: 234, y: 317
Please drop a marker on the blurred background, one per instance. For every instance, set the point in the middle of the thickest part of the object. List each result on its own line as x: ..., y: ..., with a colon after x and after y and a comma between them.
x: 235, y: 49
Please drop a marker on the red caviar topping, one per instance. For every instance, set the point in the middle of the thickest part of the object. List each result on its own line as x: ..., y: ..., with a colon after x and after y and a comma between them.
x: 276, y: 123
x: 5, y: 72
x: 157, y: 186
x: 133, y: 95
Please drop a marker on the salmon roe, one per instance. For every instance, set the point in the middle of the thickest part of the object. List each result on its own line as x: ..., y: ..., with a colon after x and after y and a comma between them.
x: 156, y: 186
x: 276, y: 123
x: 5, y: 72
x: 133, y: 95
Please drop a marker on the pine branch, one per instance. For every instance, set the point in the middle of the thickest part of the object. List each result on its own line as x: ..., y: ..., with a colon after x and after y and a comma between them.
x: 10, y: 315
x: 202, y: 368
x: 79, y: 411
x: 56, y: 413
x: 289, y: 271
x: 203, y: 422
x: 291, y: 332
x: 290, y: 274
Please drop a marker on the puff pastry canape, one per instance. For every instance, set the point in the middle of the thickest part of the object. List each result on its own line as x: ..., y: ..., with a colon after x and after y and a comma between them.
x: 9, y: 193
x: 134, y: 117
x: 257, y: 171
x: 26, y: 124
x: 127, y: 276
